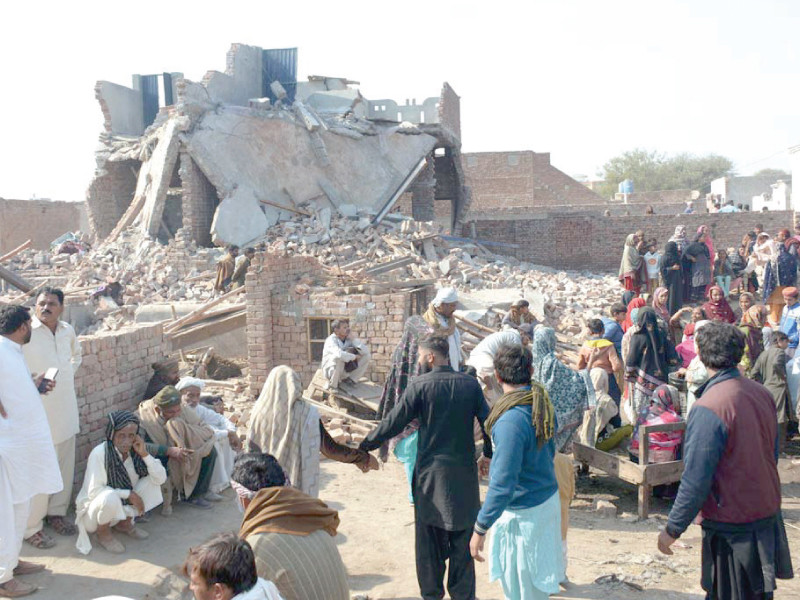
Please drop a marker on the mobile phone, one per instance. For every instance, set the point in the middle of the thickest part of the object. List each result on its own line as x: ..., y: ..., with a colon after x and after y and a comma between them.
x: 49, y: 375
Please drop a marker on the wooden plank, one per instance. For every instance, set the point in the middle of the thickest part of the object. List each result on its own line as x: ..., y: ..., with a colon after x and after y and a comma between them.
x: 15, y: 280
x: 284, y: 207
x: 192, y: 336
x: 616, y: 466
x: 661, y: 473
x: 477, y: 326
x: 391, y: 265
x: 645, y: 492
x: 196, y: 314
x: 430, y: 250
x: 339, y: 413
x: 15, y: 251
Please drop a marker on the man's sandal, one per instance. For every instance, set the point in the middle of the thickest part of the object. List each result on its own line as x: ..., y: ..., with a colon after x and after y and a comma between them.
x: 41, y: 540
x: 14, y: 588
x: 62, y: 526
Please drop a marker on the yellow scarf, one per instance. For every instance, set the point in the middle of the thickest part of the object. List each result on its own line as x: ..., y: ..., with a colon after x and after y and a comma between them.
x: 432, y: 318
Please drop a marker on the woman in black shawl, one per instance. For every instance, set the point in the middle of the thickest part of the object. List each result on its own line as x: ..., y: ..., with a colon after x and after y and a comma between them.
x: 672, y: 276
x: 697, y: 265
x: 650, y: 358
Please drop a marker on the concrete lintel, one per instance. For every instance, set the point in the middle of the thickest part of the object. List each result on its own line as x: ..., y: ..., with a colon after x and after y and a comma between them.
x: 157, y: 173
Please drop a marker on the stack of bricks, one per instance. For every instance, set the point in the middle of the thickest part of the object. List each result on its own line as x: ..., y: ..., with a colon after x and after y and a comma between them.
x: 277, y: 314
x: 110, y: 194
x: 586, y: 242
x: 113, y: 376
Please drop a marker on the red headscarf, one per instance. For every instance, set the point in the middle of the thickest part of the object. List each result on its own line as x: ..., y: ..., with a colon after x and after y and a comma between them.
x: 721, y: 310
x: 709, y: 242
x: 635, y: 303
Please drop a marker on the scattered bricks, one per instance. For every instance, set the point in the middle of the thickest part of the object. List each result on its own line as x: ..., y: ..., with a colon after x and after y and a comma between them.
x: 604, y: 508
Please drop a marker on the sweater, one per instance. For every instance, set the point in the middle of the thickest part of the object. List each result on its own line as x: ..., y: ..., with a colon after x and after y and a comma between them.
x: 522, y: 474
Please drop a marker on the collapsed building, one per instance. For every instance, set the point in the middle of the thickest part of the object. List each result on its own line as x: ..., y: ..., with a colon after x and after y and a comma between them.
x: 227, y: 158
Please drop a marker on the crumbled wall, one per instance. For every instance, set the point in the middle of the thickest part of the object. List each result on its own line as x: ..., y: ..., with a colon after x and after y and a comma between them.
x: 110, y: 194
x: 520, y: 180
x: 277, y: 331
x: 41, y: 221
x: 199, y: 201
x: 594, y: 243
x: 113, y: 376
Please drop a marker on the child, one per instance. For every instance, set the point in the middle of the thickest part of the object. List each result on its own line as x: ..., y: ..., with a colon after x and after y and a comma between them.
x: 770, y: 370
x: 652, y: 258
x: 723, y: 271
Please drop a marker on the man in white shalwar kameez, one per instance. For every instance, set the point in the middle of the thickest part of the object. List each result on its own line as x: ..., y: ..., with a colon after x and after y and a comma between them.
x: 226, y: 441
x: 118, y: 487
x: 440, y: 316
x: 344, y: 357
x: 54, y: 344
x: 28, y: 464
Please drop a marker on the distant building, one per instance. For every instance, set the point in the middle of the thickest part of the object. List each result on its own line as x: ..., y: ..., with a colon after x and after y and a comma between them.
x: 740, y: 189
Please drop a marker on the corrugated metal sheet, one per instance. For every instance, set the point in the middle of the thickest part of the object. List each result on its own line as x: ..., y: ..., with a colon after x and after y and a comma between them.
x: 149, y: 98
x: 280, y: 64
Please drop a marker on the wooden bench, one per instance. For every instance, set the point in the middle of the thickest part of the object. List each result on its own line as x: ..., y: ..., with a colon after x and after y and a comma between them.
x: 645, y: 475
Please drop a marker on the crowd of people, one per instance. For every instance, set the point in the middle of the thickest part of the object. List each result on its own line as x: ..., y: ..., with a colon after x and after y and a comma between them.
x: 509, y: 410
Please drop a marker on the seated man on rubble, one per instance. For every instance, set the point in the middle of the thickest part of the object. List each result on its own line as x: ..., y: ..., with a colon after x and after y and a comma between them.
x: 166, y: 373
x: 482, y: 358
x: 227, y: 442
x: 343, y: 357
x: 181, y: 441
x: 291, y: 533
x: 122, y: 482
x: 519, y: 317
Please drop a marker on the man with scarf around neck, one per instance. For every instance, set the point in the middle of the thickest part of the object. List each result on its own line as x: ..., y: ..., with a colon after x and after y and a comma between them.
x: 522, y: 505
x: 445, y: 479
x: 293, y: 535
x: 440, y: 316
x: 730, y: 477
x: 122, y: 482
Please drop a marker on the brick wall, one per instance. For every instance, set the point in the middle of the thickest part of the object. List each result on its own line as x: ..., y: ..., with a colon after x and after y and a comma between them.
x: 660, y: 197
x: 41, y: 221
x: 200, y: 200
x: 110, y: 194
x: 520, y: 180
x: 598, y: 210
x: 450, y: 110
x: 113, y: 376
x: 589, y: 242
x: 277, y: 313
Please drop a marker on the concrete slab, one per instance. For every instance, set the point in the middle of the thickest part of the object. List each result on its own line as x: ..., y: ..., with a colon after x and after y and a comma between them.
x: 155, y: 175
x: 240, y: 218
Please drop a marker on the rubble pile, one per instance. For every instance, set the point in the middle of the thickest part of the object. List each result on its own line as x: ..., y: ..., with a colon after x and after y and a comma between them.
x: 354, y: 252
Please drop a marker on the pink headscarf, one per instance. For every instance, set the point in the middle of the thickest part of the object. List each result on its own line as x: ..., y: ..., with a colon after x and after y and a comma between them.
x: 661, y: 309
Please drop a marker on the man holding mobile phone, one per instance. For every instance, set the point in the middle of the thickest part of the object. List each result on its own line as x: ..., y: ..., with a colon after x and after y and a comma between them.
x: 28, y: 464
x: 54, y: 351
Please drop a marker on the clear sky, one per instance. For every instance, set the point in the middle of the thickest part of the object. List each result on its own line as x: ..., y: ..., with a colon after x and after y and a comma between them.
x: 582, y: 79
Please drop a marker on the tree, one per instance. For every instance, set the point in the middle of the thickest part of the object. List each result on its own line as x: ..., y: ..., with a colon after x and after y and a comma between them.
x: 654, y: 171
x: 774, y: 174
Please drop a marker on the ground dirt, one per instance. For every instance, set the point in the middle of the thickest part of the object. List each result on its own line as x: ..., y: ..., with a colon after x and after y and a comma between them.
x: 376, y: 540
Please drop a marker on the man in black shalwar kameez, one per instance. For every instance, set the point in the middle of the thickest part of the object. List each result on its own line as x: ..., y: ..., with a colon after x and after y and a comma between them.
x: 445, y: 483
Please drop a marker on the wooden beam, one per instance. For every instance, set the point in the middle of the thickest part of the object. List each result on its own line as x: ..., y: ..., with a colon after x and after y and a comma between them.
x: 340, y: 413
x: 397, y: 263
x: 477, y: 326
x: 192, y: 317
x: 284, y: 207
x: 15, y: 280
x: 15, y: 251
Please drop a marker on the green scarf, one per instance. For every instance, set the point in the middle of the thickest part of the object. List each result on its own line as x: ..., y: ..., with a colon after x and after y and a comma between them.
x: 542, y: 412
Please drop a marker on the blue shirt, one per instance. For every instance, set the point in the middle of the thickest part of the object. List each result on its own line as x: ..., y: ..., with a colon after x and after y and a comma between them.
x: 789, y: 319
x: 613, y: 333
x: 522, y: 473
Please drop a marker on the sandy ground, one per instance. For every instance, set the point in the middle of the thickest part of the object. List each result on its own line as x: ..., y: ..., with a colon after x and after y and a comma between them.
x: 376, y: 540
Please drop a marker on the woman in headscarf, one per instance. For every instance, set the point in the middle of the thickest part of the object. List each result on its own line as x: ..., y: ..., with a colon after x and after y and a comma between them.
x: 698, y: 260
x: 662, y: 409
x: 672, y: 277
x: 679, y: 238
x: 752, y: 327
x: 746, y: 300
x: 567, y: 388
x: 780, y: 273
x: 633, y: 304
x: 631, y: 265
x: 717, y: 307
x: 650, y: 358
x: 687, y: 349
x: 703, y: 229
x: 122, y: 482
x: 695, y: 374
x: 288, y: 428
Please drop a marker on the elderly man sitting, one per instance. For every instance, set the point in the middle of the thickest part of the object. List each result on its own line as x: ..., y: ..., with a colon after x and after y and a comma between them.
x: 181, y: 441
x: 343, y: 357
x: 227, y: 442
x: 122, y: 482
x: 291, y: 533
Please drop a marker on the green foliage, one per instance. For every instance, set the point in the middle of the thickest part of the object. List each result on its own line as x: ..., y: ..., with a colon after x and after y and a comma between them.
x: 774, y: 174
x: 654, y: 171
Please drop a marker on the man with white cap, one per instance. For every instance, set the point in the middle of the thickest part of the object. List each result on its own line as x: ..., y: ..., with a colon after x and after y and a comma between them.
x: 440, y: 316
x: 226, y: 440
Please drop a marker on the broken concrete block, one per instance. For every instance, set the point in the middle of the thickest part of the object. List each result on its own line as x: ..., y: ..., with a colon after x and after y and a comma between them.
x: 278, y: 90
x: 260, y: 103
x: 240, y: 218
x: 604, y: 508
x: 324, y: 217
x: 348, y: 210
x: 309, y: 120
